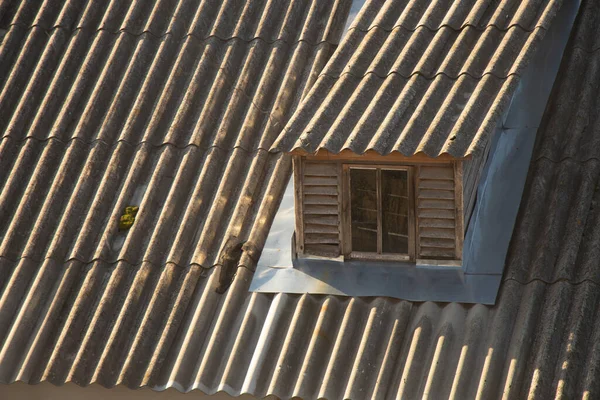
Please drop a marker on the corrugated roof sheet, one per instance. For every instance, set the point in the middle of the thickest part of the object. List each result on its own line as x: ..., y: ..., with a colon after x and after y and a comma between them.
x: 164, y: 325
x: 430, y: 77
x: 170, y: 105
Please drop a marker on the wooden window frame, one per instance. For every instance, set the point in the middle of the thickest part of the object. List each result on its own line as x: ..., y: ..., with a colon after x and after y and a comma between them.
x: 346, y: 230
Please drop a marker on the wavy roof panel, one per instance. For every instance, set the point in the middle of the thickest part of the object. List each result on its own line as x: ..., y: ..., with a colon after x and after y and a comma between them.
x: 169, y: 105
x: 110, y: 321
x: 430, y: 77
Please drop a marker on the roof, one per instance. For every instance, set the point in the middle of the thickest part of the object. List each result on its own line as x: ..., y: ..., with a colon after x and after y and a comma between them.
x: 419, y: 77
x: 169, y: 105
x: 166, y: 105
x: 85, y: 320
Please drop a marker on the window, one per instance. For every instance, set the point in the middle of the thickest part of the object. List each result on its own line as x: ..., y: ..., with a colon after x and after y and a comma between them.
x: 370, y: 210
x: 380, y: 213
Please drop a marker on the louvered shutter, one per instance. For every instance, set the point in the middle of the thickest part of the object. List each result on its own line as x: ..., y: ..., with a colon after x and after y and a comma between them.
x: 321, y: 209
x: 437, y: 213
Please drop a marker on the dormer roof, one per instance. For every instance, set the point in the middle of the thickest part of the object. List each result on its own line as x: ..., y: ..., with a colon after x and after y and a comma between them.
x: 420, y: 77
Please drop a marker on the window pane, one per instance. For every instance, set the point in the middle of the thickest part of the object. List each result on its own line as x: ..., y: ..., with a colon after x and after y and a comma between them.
x: 363, y: 211
x: 394, y: 204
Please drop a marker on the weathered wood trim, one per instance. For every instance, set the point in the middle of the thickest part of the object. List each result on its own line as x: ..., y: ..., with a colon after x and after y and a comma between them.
x: 297, y: 163
x: 412, y: 224
x: 379, y: 211
x: 417, y: 181
x: 372, y: 156
x: 459, y: 214
x: 340, y: 194
x: 345, y: 217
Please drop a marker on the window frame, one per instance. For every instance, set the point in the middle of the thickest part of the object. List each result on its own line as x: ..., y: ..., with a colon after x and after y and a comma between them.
x: 346, y: 231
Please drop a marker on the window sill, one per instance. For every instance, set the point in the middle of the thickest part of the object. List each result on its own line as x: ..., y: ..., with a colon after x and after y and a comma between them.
x: 392, y: 261
x: 395, y: 258
x: 439, y: 263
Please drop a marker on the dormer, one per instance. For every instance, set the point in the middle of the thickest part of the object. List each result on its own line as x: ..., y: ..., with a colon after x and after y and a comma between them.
x: 410, y: 153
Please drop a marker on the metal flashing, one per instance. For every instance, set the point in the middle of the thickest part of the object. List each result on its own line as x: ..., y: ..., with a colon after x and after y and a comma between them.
x: 278, y: 271
x: 490, y: 229
x: 503, y: 180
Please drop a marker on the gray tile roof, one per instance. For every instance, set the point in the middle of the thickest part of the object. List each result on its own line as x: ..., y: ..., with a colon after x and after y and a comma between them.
x: 71, y: 311
x: 430, y: 77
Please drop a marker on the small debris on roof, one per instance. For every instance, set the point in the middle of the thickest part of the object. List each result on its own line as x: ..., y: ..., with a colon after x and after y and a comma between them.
x: 229, y: 261
x: 128, y: 218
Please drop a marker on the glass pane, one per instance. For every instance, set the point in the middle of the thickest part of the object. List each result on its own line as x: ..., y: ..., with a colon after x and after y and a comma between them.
x: 394, y: 204
x: 363, y: 201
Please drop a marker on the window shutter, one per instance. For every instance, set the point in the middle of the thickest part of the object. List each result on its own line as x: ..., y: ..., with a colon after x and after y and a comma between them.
x: 321, y: 209
x: 436, y: 212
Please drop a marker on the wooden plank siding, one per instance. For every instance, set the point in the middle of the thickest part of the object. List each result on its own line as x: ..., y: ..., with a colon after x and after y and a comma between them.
x: 297, y: 165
